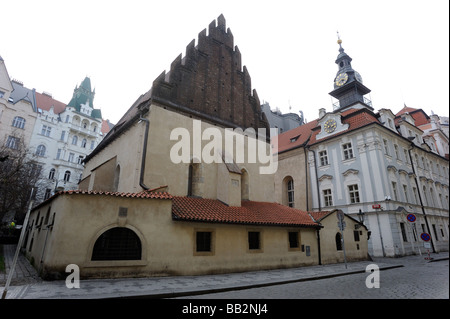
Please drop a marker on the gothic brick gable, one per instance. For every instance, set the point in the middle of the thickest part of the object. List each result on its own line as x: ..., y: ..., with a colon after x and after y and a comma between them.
x: 211, y: 82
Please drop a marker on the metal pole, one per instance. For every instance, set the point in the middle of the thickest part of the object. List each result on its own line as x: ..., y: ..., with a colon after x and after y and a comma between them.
x: 19, y: 244
x: 343, y: 247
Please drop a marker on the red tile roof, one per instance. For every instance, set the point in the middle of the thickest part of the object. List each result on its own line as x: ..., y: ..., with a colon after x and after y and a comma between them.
x: 250, y: 213
x: 419, y: 116
x: 307, y: 133
x: 295, y: 137
x: 143, y: 194
x: 45, y: 102
x: 318, y: 216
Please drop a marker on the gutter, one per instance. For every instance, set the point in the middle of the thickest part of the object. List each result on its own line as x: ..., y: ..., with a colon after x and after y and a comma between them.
x: 319, y: 252
x: 420, y: 196
x: 317, y: 177
x: 144, y: 152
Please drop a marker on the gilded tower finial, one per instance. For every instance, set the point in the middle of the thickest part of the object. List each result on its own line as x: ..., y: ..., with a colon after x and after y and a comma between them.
x: 339, y: 38
x: 339, y: 41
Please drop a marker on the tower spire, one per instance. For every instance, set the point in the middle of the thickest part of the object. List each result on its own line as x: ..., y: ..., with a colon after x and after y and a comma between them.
x: 348, y: 87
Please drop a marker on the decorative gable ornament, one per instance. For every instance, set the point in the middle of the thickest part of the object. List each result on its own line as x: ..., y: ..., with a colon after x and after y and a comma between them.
x: 331, y: 124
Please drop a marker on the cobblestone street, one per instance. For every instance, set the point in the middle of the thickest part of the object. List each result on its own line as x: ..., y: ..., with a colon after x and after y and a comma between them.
x: 418, y: 279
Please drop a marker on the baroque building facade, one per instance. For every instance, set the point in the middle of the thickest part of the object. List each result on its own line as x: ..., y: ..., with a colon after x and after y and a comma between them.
x: 379, y: 165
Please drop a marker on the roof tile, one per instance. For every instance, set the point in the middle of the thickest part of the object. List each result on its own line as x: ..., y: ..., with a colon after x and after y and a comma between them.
x: 255, y: 213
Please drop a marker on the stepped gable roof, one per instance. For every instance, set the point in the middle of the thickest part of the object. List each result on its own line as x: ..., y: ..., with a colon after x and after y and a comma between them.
x: 45, y: 102
x: 208, y: 83
x: 250, y: 213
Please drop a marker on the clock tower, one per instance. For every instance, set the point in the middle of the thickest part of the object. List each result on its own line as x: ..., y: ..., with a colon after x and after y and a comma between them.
x: 348, y: 85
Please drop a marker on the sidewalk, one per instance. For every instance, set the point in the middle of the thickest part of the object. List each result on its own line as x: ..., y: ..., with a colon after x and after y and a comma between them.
x: 164, y: 287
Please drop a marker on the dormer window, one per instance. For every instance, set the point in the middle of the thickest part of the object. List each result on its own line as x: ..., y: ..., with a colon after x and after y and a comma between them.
x: 294, y: 139
x: 390, y: 123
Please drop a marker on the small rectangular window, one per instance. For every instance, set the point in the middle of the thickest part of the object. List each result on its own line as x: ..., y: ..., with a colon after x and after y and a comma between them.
x: 328, y: 199
x: 203, y: 241
x: 354, y: 193
x: 323, y: 156
x: 402, y: 227
x: 293, y: 239
x: 348, y: 151
x: 356, y: 235
x: 254, y: 240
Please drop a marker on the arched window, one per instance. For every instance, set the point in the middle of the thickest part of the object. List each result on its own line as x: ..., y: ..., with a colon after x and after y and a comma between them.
x: 51, y: 175
x: 288, y: 191
x: 194, y: 180
x: 18, y: 122
x: 338, y: 241
x: 67, y: 176
x: 117, y: 243
x: 74, y: 140
x: 40, y: 150
x: 83, y: 143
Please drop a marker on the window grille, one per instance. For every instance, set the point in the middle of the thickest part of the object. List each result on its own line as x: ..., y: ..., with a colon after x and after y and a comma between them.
x: 117, y: 244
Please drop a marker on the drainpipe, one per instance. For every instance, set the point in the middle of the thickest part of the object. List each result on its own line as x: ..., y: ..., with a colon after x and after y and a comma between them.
x: 317, y: 178
x: 318, y: 245
x: 420, y: 197
x: 144, y: 153
x: 318, y: 238
x: 306, y: 177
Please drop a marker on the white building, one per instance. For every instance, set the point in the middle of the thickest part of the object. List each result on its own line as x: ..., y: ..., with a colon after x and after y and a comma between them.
x: 63, y: 135
x: 382, y: 166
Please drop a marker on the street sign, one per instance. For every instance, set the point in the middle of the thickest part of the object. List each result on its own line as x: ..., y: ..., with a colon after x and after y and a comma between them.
x: 340, y: 215
x: 425, y: 237
x: 427, y: 245
x: 411, y: 218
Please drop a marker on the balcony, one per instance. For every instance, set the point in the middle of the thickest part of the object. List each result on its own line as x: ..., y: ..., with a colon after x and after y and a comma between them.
x: 73, y: 165
x: 82, y: 131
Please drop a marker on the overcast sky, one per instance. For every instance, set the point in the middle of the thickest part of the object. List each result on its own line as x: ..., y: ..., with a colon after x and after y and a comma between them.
x: 400, y: 48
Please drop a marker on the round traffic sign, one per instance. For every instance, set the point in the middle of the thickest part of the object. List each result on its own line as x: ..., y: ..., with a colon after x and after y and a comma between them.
x: 425, y: 237
x: 411, y: 218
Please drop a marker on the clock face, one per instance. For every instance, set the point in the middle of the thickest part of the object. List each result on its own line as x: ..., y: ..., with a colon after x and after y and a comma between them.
x: 329, y: 126
x: 341, y: 79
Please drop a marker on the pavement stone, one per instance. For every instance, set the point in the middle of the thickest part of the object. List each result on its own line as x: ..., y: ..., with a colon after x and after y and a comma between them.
x: 26, y: 283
